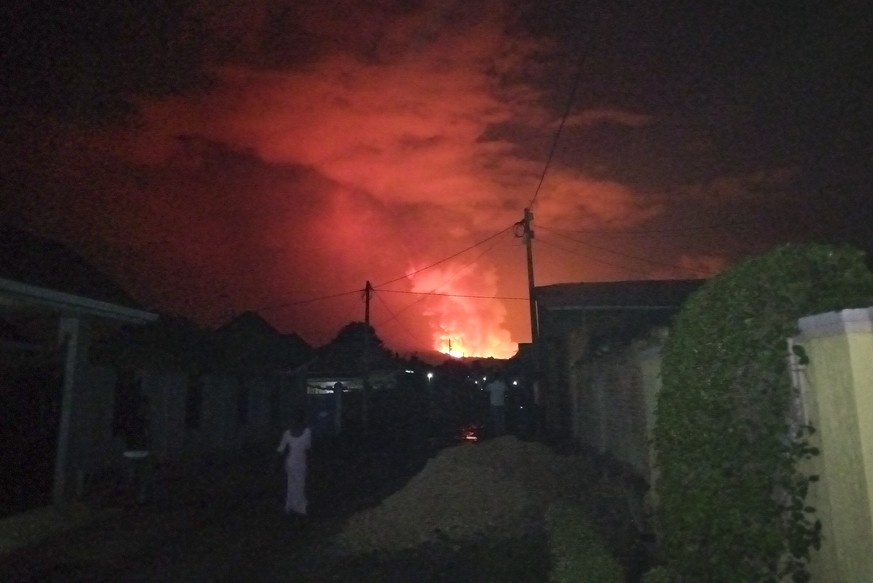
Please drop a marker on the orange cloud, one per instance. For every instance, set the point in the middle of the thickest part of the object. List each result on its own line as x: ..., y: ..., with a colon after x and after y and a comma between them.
x: 358, y: 143
x: 463, y: 325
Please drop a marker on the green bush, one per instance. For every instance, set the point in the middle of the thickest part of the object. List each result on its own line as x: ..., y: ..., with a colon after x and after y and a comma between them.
x: 731, y: 503
x: 658, y: 575
x: 578, y: 554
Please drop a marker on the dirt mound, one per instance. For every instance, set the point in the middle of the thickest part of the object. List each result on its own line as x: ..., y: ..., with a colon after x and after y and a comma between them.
x: 498, y: 486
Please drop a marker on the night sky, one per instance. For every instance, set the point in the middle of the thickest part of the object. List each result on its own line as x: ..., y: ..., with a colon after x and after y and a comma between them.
x: 221, y: 156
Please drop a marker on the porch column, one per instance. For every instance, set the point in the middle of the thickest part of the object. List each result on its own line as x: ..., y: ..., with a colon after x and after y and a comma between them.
x: 74, y: 334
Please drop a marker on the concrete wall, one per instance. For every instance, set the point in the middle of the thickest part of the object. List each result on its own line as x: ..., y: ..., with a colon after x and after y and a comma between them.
x: 166, y: 391
x: 649, y: 363
x: 610, y: 407
x: 614, y: 403
x: 96, y: 449
x: 560, y: 405
x: 837, y: 390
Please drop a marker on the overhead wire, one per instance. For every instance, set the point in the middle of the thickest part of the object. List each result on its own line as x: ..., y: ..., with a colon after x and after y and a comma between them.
x: 438, y: 294
x: 454, y: 275
x: 625, y: 255
x: 614, y: 233
x: 570, y: 100
x: 592, y: 258
x: 461, y: 252
x: 569, y: 105
x: 273, y: 307
x: 549, y: 159
x: 668, y: 237
x: 664, y: 241
x: 394, y: 318
x: 307, y: 301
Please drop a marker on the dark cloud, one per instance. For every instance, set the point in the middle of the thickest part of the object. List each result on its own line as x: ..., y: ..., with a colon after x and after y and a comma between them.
x: 81, y: 59
x: 224, y: 156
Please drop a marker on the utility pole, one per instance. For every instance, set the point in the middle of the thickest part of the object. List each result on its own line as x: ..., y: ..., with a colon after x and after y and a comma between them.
x: 365, y: 372
x: 528, y: 237
x: 368, y: 290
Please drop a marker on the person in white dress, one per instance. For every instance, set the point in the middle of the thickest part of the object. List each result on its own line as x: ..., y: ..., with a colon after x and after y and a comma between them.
x: 294, y: 446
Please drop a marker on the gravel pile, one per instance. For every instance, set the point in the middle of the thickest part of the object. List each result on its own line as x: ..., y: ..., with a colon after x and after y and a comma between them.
x: 497, y: 486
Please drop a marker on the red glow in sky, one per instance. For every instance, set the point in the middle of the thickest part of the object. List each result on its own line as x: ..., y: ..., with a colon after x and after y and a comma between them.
x: 465, y: 326
x: 219, y: 157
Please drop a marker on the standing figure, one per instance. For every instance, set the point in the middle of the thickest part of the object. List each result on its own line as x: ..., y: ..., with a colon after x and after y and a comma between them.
x: 136, y: 449
x: 296, y: 442
x: 537, y: 405
x: 497, y: 388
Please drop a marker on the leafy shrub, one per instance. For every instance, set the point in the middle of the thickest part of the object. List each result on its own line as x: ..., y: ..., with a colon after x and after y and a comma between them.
x: 578, y: 554
x: 658, y: 575
x: 730, y: 498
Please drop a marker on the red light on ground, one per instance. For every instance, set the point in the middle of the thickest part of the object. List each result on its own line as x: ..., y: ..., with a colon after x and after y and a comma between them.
x: 470, y: 436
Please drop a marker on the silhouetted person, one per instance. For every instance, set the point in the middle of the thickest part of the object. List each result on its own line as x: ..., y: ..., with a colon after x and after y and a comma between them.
x: 497, y: 390
x: 294, y: 446
x: 536, y: 388
x: 136, y: 450
x: 338, y: 389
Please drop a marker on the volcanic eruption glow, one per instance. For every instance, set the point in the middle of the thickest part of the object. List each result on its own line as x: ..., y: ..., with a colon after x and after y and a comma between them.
x: 464, y: 321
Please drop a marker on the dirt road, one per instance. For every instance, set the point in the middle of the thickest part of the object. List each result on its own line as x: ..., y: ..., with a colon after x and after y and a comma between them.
x: 222, y: 522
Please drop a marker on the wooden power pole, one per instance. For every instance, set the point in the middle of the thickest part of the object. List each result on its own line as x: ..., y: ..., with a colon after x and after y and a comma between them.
x: 528, y: 237
x: 365, y: 368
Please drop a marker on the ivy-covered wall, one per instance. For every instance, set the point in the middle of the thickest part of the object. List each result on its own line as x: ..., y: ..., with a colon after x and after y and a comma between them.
x: 732, y: 499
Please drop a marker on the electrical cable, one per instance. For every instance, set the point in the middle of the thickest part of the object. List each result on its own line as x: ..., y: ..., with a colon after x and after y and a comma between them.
x: 649, y: 232
x: 450, y: 279
x: 473, y: 246
x: 397, y: 291
x: 572, y: 98
x: 273, y: 307
x: 666, y: 244
x: 394, y: 318
x: 306, y: 301
x: 589, y: 257
x: 626, y: 256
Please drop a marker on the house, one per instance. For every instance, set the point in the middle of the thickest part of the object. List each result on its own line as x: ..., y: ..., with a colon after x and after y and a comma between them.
x: 592, y: 337
x: 48, y: 328
x: 354, y: 382
x: 209, y: 391
x: 71, y: 362
x: 250, y: 343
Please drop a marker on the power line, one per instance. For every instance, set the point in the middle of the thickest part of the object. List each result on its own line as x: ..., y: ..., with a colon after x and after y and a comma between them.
x: 397, y: 291
x: 473, y: 246
x: 591, y: 258
x: 394, y: 318
x: 651, y: 231
x: 307, y: 301
x: 557, y: 135
x: 626, y: 256
x: 456, y: 274
x: 573, y: 89
x: 670, y: 245
x: 273, y: 307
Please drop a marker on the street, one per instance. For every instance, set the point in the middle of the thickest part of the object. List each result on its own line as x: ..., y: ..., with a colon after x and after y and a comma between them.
x: 221, y: 521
